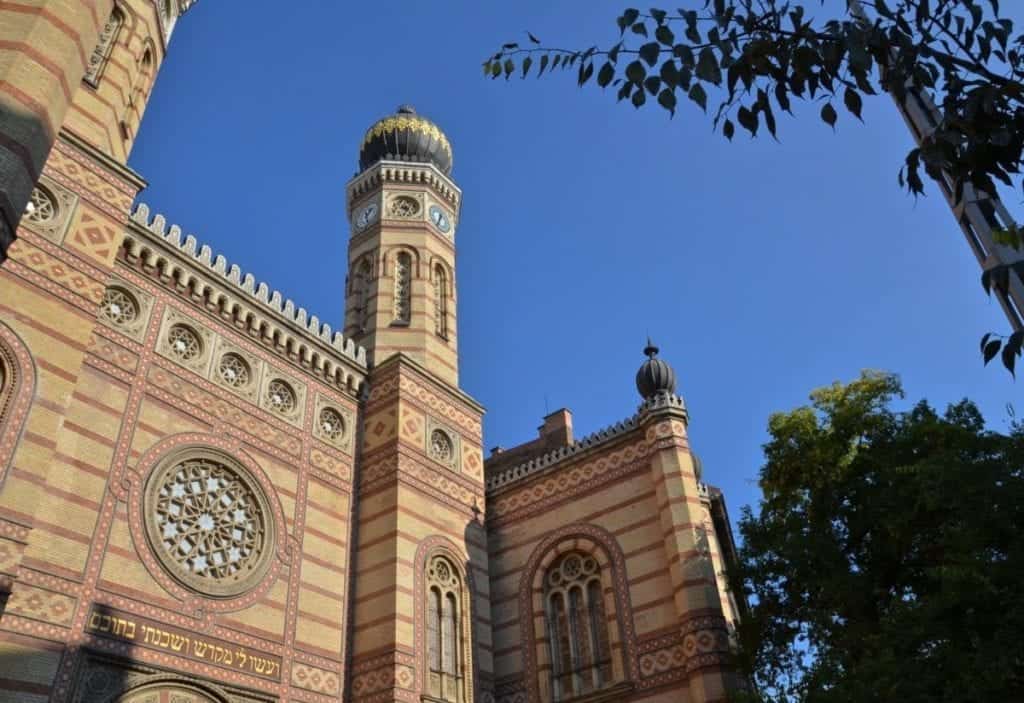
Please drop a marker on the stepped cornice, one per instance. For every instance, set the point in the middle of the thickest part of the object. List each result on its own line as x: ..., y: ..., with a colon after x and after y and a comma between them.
x: 404, y: 173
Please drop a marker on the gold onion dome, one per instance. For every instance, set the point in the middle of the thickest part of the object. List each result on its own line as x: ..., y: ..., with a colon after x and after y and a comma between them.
x: 655, y: 376
x: 406, y: 136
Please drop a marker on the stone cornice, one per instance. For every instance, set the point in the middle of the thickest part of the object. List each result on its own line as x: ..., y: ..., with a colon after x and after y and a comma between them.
x: 113, y: 165
x: 290, y: 331
x: 402, y: 359
x: 659, y: 406
x: 404, y: 173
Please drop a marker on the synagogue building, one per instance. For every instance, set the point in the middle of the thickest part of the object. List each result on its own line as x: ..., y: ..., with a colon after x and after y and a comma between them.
x: 210, y: 495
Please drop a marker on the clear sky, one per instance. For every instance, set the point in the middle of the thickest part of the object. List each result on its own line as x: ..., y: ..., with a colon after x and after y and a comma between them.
x: 762, y: 269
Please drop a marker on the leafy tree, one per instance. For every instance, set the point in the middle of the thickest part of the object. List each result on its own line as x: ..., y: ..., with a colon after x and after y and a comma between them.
x: 885, y: 560
x: 760, y: 56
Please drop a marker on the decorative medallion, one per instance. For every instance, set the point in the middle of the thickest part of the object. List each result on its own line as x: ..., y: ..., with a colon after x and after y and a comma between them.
x: 404, y: 207
x: 281, y: 397
x: 42, y: 206
x: 234, y: 371
x: 332, y: 426
x: 49, y: 209
x: 441, y: 448
x: 184, y: 343
x: 209, y: 522
x: 119, y: 307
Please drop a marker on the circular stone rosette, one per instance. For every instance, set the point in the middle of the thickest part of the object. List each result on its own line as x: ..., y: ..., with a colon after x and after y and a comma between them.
x: 204, y: 511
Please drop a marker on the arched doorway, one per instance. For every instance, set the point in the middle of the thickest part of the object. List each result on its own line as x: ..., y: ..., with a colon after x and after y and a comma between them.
x: 168, y: 692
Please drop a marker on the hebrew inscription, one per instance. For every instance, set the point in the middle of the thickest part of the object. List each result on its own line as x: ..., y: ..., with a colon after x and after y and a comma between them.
x: 106, y: 622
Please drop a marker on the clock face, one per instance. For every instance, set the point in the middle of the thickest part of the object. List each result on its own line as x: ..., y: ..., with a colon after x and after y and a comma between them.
x: 366, y: 216
x: 440, y: 219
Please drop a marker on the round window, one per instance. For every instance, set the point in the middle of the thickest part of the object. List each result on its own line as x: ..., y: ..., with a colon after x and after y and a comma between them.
x: 209, y: 522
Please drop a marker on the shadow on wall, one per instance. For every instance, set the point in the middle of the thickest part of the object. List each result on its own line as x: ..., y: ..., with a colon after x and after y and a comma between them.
x: 100, y: 677
x: 24, y: 145
x: 476, y: 534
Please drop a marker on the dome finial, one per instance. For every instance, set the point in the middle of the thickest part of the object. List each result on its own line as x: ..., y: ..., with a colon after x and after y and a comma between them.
x: 655, y: 376
x: 406, y: 109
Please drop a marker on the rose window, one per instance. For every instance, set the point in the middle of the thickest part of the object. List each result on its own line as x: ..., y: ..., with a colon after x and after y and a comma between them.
x: 118, y: 307
x: 184, y: 343
x: 404, y: 206
x: 233, y: 371
x: 331, y: 424
x: 441, y: 447
x: 281, y: 397
x: 42, y: 207
x: 208, y: 523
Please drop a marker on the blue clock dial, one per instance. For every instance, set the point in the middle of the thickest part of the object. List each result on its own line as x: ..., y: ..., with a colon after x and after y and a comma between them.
x: 440, y: 219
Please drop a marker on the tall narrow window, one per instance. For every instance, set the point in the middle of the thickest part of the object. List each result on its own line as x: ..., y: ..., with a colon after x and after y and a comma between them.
x: 440, y: 302
x: 403, y: 287
x: 101, y: 53
x: 445, y: 645
x: 361, y: 290
x: 577, y: 628
x: 137, y: 96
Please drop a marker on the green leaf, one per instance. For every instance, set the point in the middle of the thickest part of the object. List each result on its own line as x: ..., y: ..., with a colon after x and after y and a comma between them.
x: 853, y: 101
x: 649, y: 53
x: 747, y: 120
x: 828, y: 114
x: 698, y: 96
x: 728, y: 129
x: 543, y: 64
x: 527, y: 62
x: 665, y: 35
x: 586, y: 71
x: 991, y: 349
x: 658, y: 15
x: 628, y: 17
x: 707, y: 66
x: 667, y: 99
x: 605, y: 75
x: 653, y: 84
x: 534, y: 39
x: 782, y: 97
x: 509, y: 67
x: 639, y: 98
x: 495, y: 69
x: 639, y: 28
x: 635, y: 72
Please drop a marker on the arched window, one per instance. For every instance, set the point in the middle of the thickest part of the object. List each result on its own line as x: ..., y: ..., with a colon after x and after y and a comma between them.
x: 138, y: 94
x: 576, y: 627
x: 445, y: 645
x: 440, y: 301
x: 403, y: 287
x: 17, y: 388
x: 361, y: 290
x: 104, y: 45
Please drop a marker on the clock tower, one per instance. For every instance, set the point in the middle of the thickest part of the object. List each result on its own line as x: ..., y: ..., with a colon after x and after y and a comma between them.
x: 403, y: 208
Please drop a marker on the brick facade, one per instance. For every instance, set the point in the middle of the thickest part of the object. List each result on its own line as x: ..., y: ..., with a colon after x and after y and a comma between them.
x: 206, y: 494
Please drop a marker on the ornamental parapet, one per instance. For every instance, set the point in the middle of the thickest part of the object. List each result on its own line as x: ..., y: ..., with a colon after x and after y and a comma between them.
x: 403, y: 173
x: 659, y: 404
x: 286, y: 328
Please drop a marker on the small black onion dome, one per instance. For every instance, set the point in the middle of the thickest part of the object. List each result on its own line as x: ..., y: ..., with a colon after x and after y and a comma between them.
x: 405, y: 136
x: 655, y: 375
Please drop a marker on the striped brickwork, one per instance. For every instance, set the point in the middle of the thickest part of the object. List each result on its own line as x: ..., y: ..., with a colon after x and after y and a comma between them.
x: 380, y: 243
x: 410, y: 506
x: 633, y: 502
x: 44, y: 47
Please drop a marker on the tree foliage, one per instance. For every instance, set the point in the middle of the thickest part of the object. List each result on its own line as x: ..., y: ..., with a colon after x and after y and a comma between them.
x: 747, y: 61
x: 885, y: 560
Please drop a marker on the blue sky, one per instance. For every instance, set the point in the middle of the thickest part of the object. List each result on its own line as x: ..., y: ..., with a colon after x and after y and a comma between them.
x: 762, y: 269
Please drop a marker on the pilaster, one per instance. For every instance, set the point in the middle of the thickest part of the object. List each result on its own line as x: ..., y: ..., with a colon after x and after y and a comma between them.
x: 687, y: 548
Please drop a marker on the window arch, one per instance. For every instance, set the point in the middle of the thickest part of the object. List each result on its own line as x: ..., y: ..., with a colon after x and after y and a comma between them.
x: 403, y: 287
x: 104, y: 46
x: 576, y: 626
x: 361, y: 282
x: 17, y: 387
x: 440, y: 301
x: 555, y: 650
x: 445, y: 615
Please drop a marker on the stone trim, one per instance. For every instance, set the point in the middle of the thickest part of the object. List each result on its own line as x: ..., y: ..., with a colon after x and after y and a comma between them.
x: 185, y: 265
x: 16, y: 393
x: 406, y: 174
x: 517, y: 473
